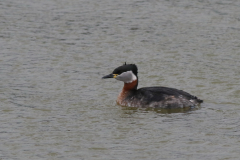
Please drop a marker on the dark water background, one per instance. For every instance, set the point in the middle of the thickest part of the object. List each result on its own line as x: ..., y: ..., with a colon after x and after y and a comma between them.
x: 54, y: 104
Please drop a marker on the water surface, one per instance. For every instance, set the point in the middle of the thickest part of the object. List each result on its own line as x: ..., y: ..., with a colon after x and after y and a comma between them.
x: 54, y: 104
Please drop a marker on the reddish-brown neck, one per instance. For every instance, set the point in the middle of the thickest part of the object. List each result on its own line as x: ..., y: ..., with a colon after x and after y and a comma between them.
x: 125, y: 91
x: 130, y: 86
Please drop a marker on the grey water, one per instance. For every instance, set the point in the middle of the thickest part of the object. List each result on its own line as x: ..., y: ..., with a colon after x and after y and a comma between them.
x: 54, y: 104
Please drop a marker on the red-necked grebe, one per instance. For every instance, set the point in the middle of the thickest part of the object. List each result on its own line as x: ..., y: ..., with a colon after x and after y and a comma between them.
x: 154, y: 97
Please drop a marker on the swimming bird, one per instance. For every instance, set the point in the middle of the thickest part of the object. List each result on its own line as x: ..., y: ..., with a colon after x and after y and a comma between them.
x: 153, y: 97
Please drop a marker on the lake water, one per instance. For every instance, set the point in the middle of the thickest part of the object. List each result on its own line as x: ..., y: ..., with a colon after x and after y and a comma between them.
x: 54, y: 104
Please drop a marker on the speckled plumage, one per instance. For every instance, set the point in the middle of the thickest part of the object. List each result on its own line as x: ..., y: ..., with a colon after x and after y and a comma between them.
x: 157, y: 97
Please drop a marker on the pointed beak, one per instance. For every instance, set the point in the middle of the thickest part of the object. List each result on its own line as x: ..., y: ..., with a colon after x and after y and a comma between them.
x: 110, y: 76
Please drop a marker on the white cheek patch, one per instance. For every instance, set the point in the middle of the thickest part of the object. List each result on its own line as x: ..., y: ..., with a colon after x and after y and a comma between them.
x: 127, y: 77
